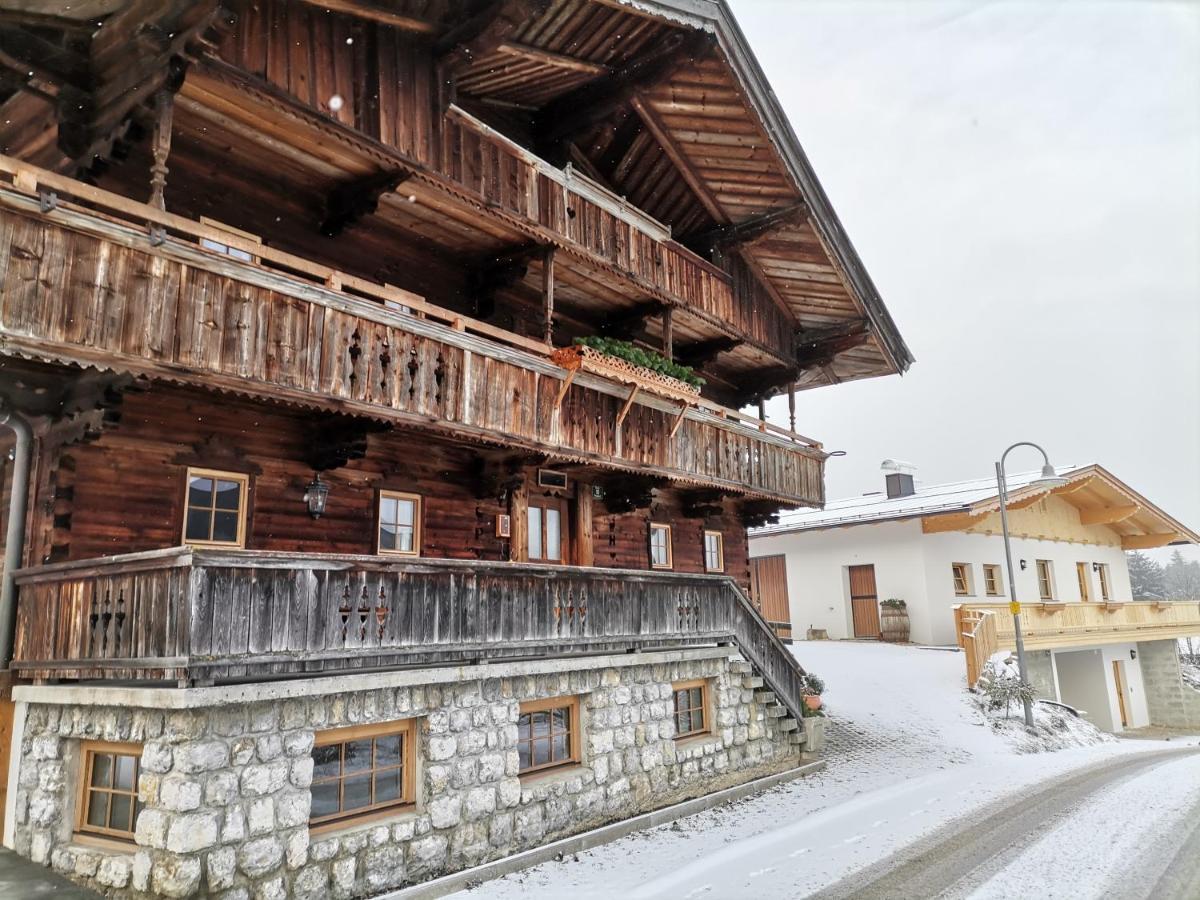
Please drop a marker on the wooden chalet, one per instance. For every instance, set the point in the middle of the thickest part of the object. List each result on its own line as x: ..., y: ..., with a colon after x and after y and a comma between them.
x: 286, y: 296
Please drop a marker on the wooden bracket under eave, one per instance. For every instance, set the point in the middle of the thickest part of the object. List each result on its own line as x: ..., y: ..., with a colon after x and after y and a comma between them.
x: 625, y: 409
x: 562, y: 391
x: 679, y: 420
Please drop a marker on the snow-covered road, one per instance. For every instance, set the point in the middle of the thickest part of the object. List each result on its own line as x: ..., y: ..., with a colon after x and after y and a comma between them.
x: 908, y: 754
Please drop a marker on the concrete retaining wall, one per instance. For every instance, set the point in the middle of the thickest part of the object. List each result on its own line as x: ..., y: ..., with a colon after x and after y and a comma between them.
x: 1172, y: 702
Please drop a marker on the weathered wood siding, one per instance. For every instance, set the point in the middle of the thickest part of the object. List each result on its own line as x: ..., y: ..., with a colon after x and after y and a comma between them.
x: 178, y: 313
x: 384, y: 77
x: 238, y: 615
x: 123, y: 491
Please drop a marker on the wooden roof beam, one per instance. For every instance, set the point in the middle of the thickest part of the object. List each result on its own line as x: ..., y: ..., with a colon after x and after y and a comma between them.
x: 486, y: 31
x: 623, y: 323
x: 1148, y: 541
x: 555, y: 60
x: 745, y: 233
x: 359, y: 197
x: 1107, y: 515
x: 373, y: 12
x: 662, y: 135
x: 599, y: 99
x: 703, y: 352
x: 765, y: 382
x: 819, y: 347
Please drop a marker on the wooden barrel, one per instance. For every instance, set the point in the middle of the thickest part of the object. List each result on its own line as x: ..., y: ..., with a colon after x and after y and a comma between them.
x: 893, y: 625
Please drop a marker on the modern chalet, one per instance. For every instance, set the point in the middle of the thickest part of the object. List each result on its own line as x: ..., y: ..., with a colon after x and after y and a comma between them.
x: 334, y: 561
x: 940, y: 549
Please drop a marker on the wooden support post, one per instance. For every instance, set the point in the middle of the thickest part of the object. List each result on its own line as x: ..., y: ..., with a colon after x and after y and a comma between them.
x: 792, y: 407
x: 625, y: 409
x: 585, y: 551
x: 164, y: 105
x: 548, y: 296
x: 679, y: 420
x: 562, y: 391
x: 668, y: 335
x: 762, y: 414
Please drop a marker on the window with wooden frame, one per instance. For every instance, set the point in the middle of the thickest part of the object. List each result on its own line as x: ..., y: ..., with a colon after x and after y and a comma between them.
x: 398, y: 524
x: 548, y: 734
x: 962, y: 579
x: 1081, y: 573
x: 1102, y: 571
x: 547, y: 521
x: 660, y: 546
x: 214, y: 513
x: 1045, y: 577
x: 714, y: 551
x: 691, y: 708
x: 993, y: 581
x: 220, y: 229
x: 363, y: 770
x: 108, y: 798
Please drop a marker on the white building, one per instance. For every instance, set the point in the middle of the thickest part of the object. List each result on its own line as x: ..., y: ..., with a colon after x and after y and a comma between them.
x: 938, y: 547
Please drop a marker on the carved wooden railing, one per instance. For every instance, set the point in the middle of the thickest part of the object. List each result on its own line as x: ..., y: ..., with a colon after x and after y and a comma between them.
x: 509, y: 178
x: 203, y: 615
x: 154, y: 303
x: 985, y: 628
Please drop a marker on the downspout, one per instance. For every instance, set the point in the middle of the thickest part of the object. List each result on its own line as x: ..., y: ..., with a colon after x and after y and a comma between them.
x: 14, y: 539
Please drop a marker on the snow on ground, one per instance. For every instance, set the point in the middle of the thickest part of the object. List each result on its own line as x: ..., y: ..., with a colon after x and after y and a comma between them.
x: 1103, y: 838
x: 908, y: 751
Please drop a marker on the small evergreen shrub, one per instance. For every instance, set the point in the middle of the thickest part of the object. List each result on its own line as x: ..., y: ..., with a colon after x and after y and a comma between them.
x: 639, y: 356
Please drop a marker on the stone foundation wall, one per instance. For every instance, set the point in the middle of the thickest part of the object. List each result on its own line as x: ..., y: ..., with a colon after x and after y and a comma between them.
x: 225, y: 789
x: 1171, y: 701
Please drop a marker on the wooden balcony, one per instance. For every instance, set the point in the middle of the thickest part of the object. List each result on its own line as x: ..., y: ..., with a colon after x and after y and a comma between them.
x: 200, y: 616
x: 119, y: 285
x: 986, y: 628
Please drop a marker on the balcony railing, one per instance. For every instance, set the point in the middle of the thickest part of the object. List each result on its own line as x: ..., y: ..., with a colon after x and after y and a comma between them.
x: 141, y: 295
x: 187, y: 615
x: 986, y: 628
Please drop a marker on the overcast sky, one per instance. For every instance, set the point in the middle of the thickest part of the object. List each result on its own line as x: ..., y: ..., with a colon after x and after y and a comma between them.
x: 1022, y: 181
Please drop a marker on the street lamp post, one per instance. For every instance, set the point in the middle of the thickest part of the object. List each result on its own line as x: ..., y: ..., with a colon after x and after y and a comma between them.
x: 1049, y: 479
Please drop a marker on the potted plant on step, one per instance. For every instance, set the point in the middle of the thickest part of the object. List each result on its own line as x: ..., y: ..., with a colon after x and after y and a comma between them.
x: 893, y: 621
x: 814, y: 714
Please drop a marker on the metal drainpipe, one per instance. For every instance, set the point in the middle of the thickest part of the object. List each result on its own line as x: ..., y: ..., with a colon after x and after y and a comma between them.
x: 14, y: 540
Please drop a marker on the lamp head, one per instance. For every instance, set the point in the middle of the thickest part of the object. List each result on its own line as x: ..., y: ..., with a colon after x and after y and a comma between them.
x: 315, y: 497
x: 1049, y: 478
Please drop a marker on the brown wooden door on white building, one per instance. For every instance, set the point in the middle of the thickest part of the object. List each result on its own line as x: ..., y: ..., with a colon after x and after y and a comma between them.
x: 768, y: 590
x: 864, y: 601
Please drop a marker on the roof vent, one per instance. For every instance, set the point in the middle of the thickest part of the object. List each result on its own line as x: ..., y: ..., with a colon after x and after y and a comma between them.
x: 898, y: 476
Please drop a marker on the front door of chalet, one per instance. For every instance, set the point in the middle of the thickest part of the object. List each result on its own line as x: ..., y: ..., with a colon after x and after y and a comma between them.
x: 547, y: 530
x: 864, y: 602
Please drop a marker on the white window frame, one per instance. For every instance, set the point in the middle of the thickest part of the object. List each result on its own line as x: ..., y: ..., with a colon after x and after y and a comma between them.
x: 661, y: 527
x: 720, y: 551
x: 416, y: 501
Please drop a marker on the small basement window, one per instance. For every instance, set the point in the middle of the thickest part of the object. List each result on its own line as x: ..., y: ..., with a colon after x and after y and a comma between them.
x: 215, y: 508
x: 993, y: 581
x: 362, y: 770
x: 714, y: 551
x: 962, y: 579
x: 660, y: 546
x: 548, y: 734
x: 108, y: 802
x: 1045, y: 576
x: 399, y: 525
x: 691, y: 708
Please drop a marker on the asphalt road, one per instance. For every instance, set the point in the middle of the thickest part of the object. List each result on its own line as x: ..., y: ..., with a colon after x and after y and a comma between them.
x: 962, y: 855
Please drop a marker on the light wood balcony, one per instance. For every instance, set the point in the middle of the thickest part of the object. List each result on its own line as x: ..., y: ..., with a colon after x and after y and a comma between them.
x: 94, y: 279
x: 191, y: 616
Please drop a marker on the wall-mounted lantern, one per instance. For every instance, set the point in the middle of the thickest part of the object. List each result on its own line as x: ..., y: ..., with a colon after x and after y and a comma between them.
x: 1133, y: 654
x: 315, y: 496
x: 1024, y: 565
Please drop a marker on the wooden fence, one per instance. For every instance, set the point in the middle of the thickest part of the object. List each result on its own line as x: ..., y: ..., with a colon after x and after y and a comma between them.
x: 202, y: 616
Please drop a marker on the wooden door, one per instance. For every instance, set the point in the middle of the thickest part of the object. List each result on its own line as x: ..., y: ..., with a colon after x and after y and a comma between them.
x: 768, y: 590
x: 1119, y: 681
x: 864, y: 602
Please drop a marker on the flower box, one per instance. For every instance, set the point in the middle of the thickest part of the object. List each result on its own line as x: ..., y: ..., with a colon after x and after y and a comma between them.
x: 590, y: 360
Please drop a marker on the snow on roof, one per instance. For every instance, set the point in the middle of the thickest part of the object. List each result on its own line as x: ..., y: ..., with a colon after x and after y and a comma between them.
x: 875, y: 507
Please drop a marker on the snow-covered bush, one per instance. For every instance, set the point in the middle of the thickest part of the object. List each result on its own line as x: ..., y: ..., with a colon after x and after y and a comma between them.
x: 1001, y: 684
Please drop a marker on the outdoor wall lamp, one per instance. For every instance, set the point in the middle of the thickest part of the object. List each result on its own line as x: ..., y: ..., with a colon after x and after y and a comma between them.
x: 315, y: 496
x: 1024, y: 565
x: 1095, y: 567
x: 1048, y: 479
x: 1133, y: 654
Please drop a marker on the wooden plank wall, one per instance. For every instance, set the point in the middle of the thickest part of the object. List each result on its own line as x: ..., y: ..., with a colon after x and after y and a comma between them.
x: 384, y: 77
x: 167, y: 316
x: 127, y: 487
